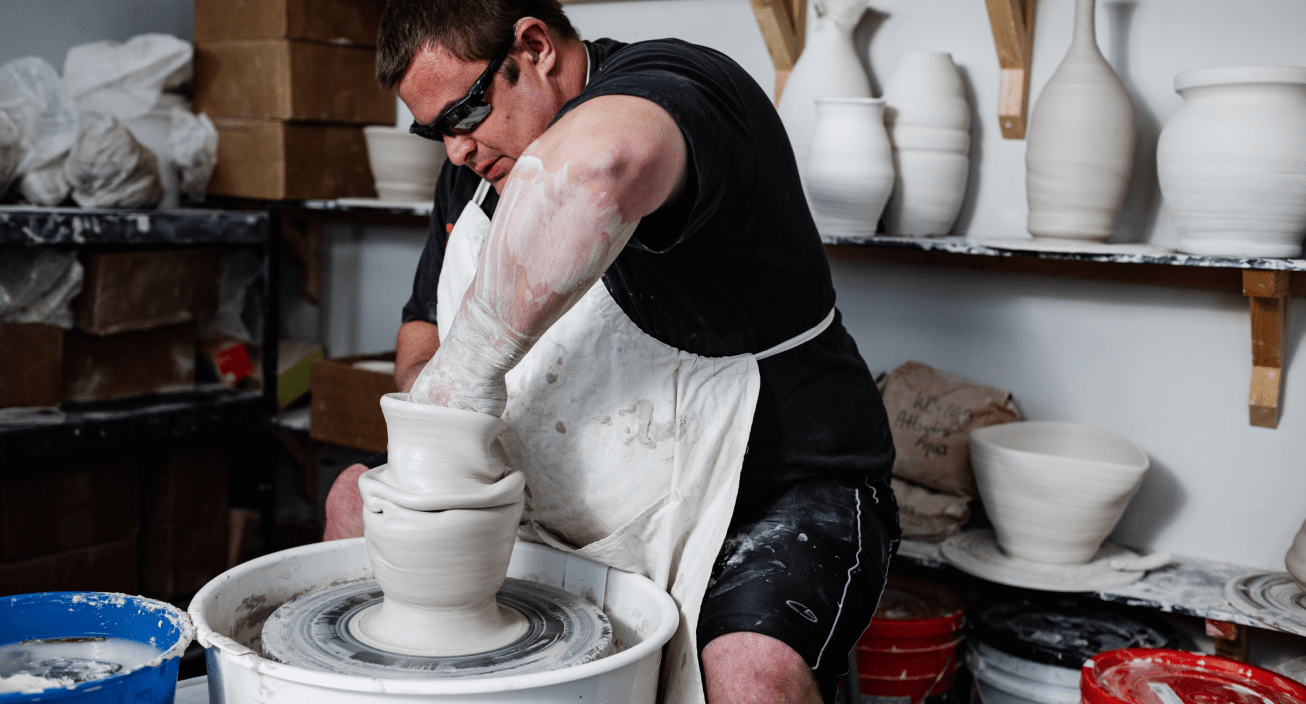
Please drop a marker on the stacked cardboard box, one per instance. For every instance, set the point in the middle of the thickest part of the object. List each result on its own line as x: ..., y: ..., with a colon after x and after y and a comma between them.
x: 186, y: 529
x: 136, y: 321
x: 289, y: 84
x: 71, y: 530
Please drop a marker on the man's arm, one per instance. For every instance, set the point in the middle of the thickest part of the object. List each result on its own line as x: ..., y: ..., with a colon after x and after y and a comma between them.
x: 570, y: 204
x: 416, y: 344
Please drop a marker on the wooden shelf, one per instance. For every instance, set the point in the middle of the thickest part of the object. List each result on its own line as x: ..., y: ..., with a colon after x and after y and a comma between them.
x: 80, y: 227
x: 1268, y: 284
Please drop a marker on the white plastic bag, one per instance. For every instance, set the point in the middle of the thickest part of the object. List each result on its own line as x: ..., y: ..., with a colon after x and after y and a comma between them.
x: 11, y: 150
x: 45, y: 186
x: 34, y: 100
x: 108, y: 168
x: 193, y: 144
x: 125, y: 79
x: 38, y: 286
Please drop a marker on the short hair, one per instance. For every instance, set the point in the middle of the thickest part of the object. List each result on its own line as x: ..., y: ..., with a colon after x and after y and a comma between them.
x: 474, y: 30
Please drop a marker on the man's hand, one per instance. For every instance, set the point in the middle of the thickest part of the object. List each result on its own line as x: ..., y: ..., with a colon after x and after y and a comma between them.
x: 344, y: 506
x: 571, y: 203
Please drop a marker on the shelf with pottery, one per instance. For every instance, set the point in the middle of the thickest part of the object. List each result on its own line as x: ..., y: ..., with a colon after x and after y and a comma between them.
x: 63, y: 226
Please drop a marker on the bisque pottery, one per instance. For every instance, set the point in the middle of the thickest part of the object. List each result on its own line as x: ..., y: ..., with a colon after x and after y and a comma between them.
x: 928, y: 120
x: 404, y: 166
x: 828, y: 68
x: 850, y: 172
x: 1080, y: 144
x: 1295, y: 560
x: 1054, y: 490
x: 1232, y: 161
x: 439, y: 523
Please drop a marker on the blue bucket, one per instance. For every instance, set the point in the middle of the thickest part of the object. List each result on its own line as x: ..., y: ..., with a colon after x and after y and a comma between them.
x: 64, y: 615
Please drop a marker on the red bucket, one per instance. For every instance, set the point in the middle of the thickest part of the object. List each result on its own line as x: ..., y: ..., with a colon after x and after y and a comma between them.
x: 910, y: 649
x: 1157, y: 676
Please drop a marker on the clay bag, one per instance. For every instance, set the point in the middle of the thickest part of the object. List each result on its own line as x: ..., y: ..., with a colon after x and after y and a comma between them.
x: 108, y: 168
x: 931, y: 416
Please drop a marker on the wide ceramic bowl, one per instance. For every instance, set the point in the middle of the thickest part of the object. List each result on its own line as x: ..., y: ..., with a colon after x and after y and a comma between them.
x: 404, y: 166
x: 1054, y: 490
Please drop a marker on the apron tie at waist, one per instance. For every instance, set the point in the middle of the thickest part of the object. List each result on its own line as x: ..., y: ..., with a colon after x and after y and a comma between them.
x: 799, y: 339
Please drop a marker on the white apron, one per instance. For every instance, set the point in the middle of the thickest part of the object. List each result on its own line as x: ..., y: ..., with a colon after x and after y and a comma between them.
x: 630, y: 447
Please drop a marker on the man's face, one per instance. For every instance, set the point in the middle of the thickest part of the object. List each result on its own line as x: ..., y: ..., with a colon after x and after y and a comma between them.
x: 519, y: 113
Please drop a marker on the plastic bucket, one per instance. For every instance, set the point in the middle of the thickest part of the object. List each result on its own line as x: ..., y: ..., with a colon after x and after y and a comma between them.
x: 909, y: 652
x: 68, y: 615
x: 1029, y: 650
x: 1135, y: 675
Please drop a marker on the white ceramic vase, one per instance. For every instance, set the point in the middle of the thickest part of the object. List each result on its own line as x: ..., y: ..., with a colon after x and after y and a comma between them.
x: 1053, y: 490
x: 1232, y: 161
x: 439, y: 522
x: 1080, y: 144
x: 928, y: 120
x: 828, y: 68
x: 1295, y: 560
x: 850, y: 168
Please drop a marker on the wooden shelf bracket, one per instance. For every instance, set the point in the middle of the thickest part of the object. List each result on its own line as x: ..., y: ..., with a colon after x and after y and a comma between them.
x: 1268, y: 292
x: 783, y: 23
x: 1013, y: 36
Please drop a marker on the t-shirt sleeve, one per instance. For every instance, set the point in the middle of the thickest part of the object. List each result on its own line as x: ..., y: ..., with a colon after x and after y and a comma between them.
x: 421, y: 305
x: 702, y: 90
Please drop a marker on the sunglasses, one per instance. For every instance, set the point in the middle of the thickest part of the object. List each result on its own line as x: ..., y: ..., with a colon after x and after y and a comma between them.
x: 468, y: 113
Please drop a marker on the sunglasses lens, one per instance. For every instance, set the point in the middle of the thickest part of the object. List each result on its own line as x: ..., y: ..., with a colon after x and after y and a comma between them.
x: 467, y: 118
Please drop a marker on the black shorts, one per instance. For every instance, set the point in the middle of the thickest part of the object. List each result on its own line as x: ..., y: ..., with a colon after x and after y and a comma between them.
x: 807, y: 569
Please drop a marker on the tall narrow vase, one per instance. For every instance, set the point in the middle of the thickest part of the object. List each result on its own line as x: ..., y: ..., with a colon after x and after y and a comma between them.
x: 850, y: 172
x: 929, y: 123
x: 1232, y: 161
x: 828, y: 68
x: 1080, y: 144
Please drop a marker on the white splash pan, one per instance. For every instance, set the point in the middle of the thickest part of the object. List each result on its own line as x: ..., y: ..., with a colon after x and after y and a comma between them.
x: 229, y: 612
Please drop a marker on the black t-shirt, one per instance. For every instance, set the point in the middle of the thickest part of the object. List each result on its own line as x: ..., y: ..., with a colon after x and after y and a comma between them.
x: 733, y: 265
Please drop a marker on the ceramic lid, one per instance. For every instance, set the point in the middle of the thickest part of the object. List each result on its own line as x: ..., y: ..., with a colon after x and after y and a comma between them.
x: 1066, y: 631
x: 1196, y: 78
x: 1150, y: 676
x: 913, y: 607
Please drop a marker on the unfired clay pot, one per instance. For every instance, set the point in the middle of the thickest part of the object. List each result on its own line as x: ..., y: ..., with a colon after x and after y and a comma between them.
x: 929, y: 124
x: 850, y: 173
x: 1080, y: 144
x: 1295, y: 560
x: 439, y: 522
x: 404, y: 166
x: 828, y: 68
x: 1054, y: 490
x: 1232, y: 161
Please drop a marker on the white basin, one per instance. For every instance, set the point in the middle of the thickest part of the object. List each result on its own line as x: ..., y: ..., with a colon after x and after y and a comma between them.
x: 229, y: 612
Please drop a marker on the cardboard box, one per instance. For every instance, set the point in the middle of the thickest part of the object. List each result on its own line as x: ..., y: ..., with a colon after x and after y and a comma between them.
x: 186, y: 529
x: 352, y: 21
x: 124, y: 291
x: 108, y: 567
x: 31, y: 368
x: 291, y: 160
x: 77, y: 508
x: 346, y: 407
x: 288, y: 79
x: 100, y: 367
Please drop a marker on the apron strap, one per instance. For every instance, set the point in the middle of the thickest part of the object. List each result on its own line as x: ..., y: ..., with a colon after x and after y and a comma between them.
x: 481, y: 189
x: 800, y: 339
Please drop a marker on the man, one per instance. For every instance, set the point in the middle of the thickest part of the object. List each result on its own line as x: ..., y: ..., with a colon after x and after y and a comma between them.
x: 651, y: 311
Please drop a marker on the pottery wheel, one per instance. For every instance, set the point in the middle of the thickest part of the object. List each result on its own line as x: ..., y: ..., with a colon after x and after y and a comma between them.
x: 312, y: 631
x: 1272, y: 598
x: 976, y: 552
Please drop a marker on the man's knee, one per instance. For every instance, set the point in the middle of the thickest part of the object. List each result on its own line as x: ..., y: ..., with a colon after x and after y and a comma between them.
x: 344, y: 506
x: 743, y: 668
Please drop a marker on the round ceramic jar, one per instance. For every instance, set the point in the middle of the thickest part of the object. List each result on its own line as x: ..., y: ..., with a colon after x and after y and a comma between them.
x: 1232, y: 161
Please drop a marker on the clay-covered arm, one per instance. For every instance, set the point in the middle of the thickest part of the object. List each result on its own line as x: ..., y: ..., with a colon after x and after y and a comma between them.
x: 568, y: 207
x: 414, y: 346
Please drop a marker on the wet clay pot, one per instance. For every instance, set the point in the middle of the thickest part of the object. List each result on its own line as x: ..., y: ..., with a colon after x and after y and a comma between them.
x: 1232, y: 161
x: 439, y: 523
